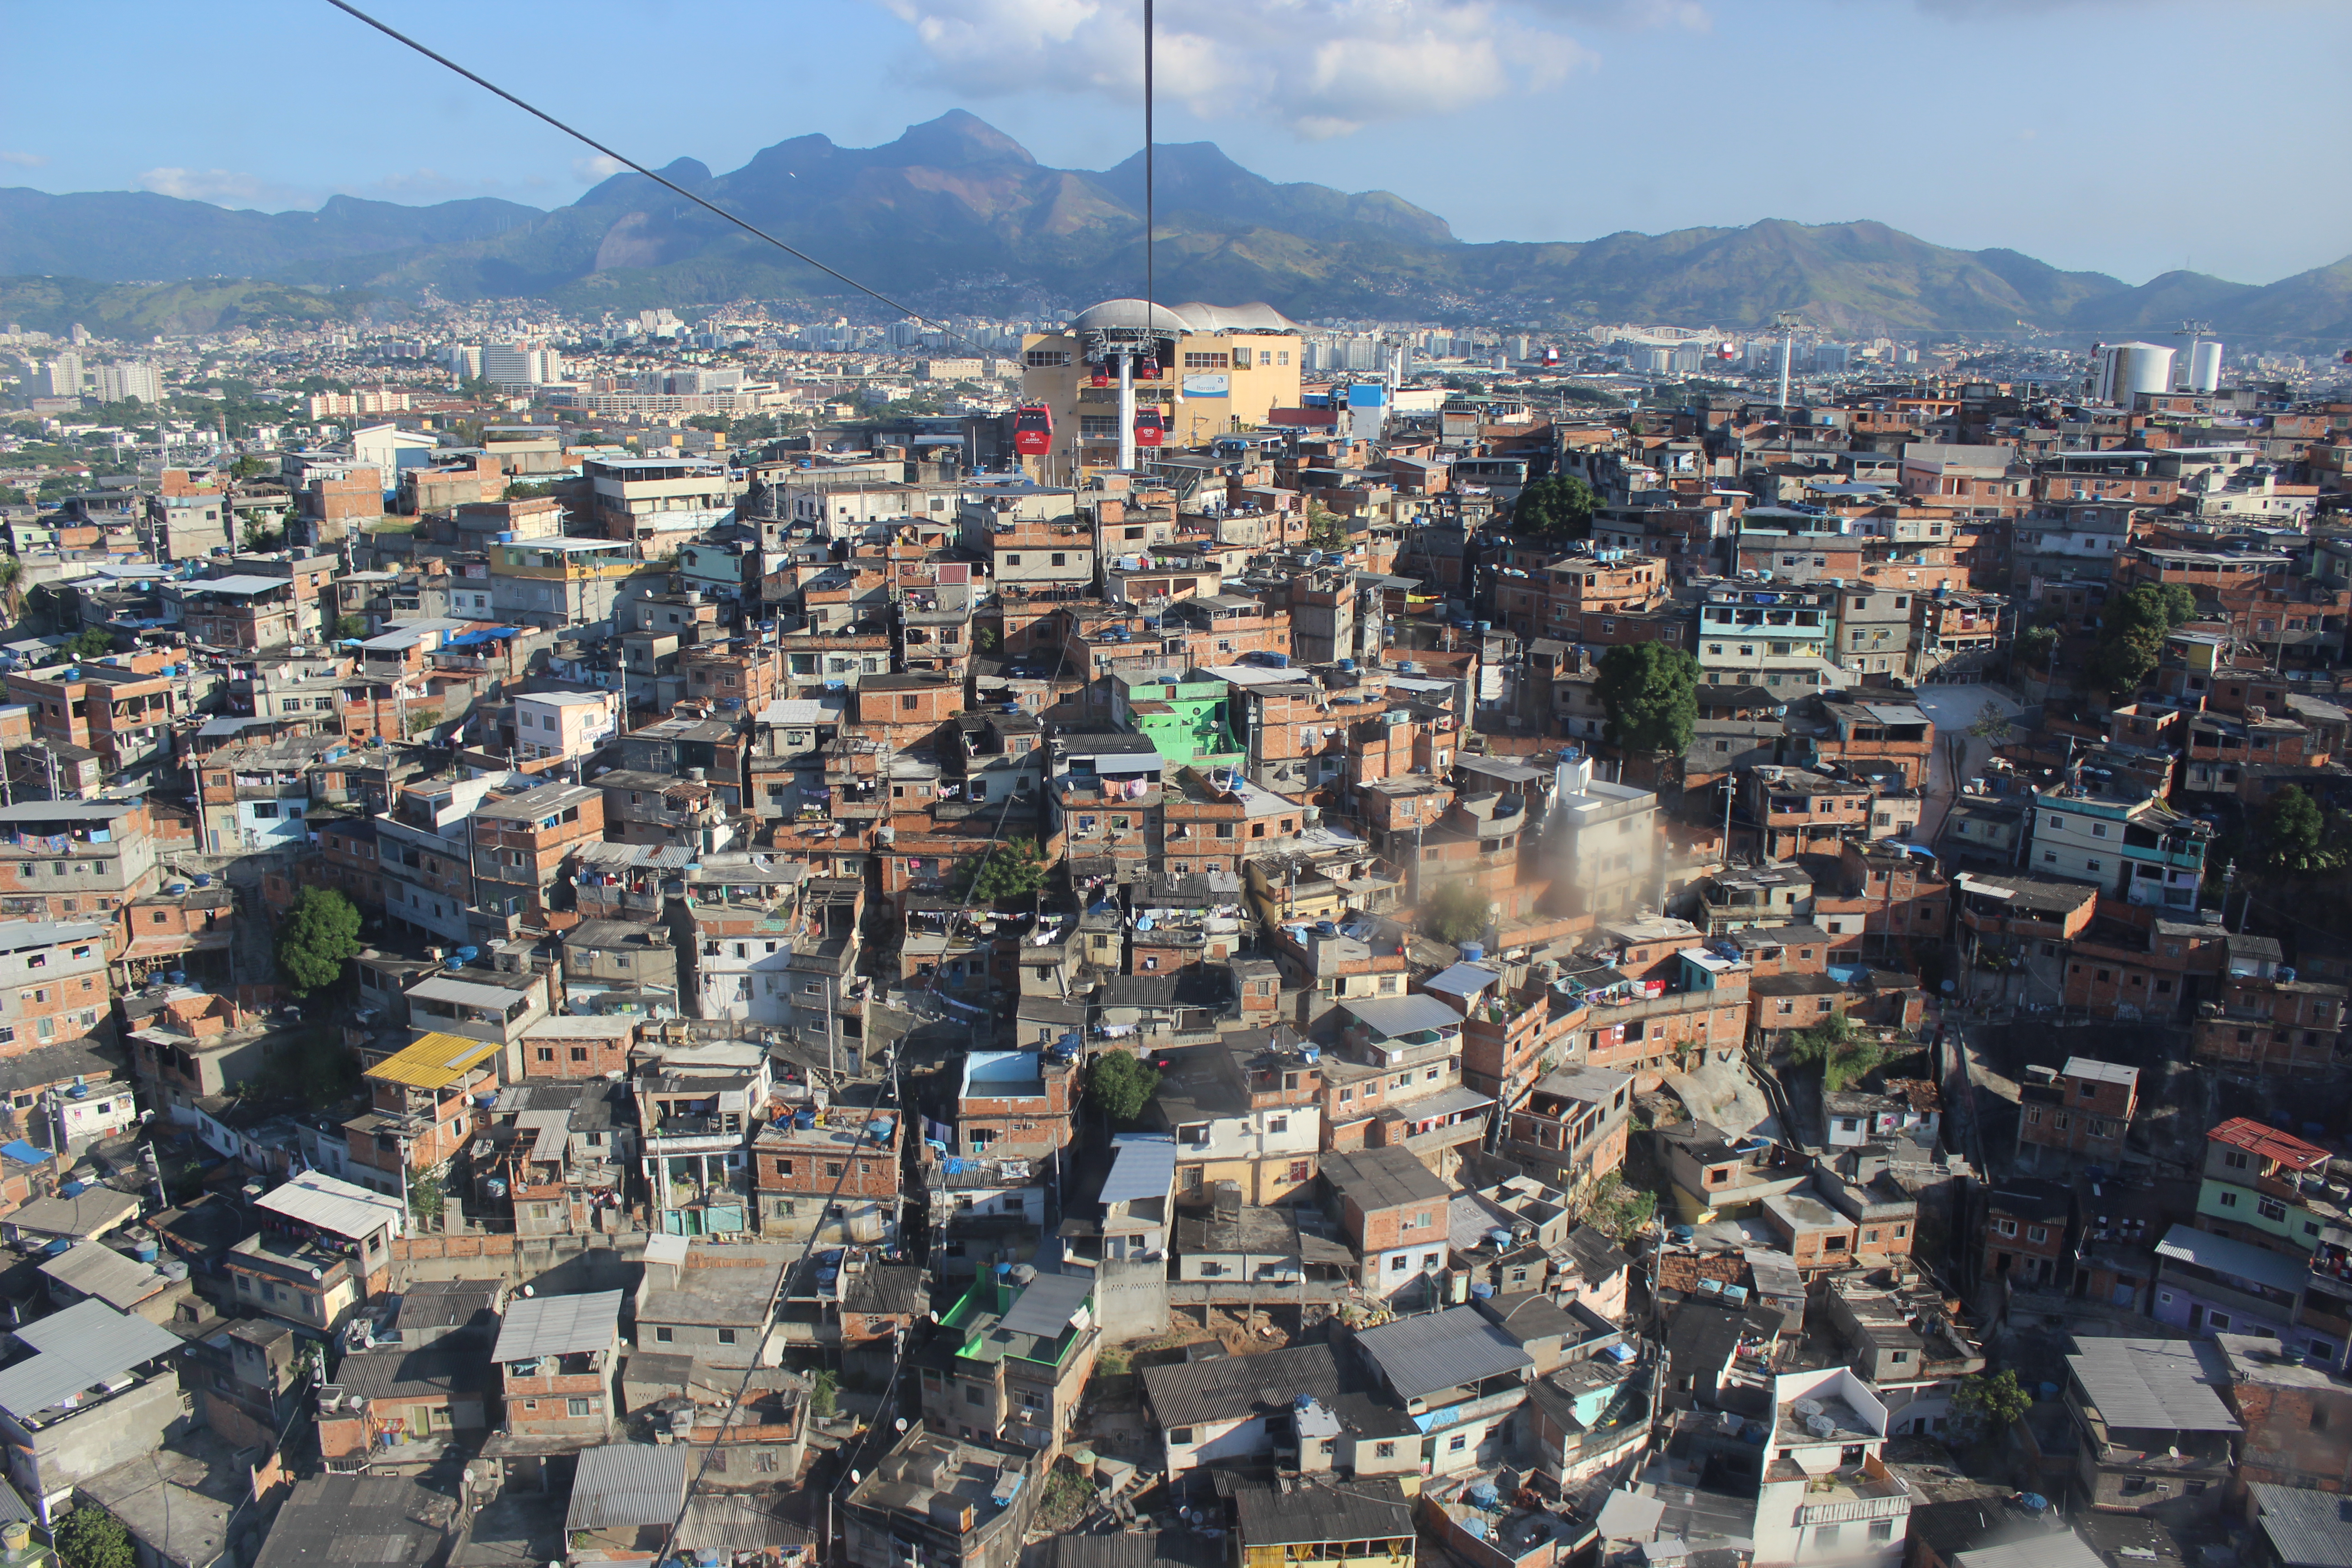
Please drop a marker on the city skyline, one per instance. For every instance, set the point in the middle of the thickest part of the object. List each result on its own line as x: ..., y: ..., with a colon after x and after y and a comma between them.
x: 1439, y: 102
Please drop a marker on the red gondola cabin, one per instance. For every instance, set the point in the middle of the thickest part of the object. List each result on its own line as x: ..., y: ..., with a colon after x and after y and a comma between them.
x: 1148, y: 427
x: 1032, y: 431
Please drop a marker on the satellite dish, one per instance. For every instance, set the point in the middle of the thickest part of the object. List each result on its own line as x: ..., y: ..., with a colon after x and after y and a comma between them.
x: 901, y: 1424
x: 853, y: 1478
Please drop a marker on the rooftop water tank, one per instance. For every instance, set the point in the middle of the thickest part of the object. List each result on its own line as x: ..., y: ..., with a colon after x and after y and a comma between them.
x: 203, y: 878
x: 1472, y: 952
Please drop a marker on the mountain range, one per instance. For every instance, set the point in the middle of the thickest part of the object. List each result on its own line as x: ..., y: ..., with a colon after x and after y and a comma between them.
x: 957, y: 215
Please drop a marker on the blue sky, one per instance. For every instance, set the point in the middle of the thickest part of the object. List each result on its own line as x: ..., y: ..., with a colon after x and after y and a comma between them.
x: 2124, y: 136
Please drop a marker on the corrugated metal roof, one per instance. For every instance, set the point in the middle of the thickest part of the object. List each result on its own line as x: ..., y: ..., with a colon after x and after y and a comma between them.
x: 2234, y: 1259
x: 550, y: 1128
x: 1143, y: 1166
x: 558, y: 1325
x: 2307, y: 1529
x: 1047, y: 1305
x: 2165, y: 1385
x: 624, y: 1484
x: 347, y: 1210
x: 2101, y: 1072
x: 1462, y: 979
x: 468, y: 993
x: 435, y: 1060
x: 1442, y: 1350
x: 94, y: 1269
x: 2270, y: 1144
x: 1232, y: 1388
x: 79, y: 1348
x: 1444, y: 1103
x: 1403, y: 1015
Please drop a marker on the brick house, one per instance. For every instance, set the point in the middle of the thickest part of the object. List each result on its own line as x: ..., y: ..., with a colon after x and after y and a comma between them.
x: 2025, y: 1233
x: 2080, y: 1113
x: 1392, y: 1211
x: 836, y: 1179
x: 556, y: 1358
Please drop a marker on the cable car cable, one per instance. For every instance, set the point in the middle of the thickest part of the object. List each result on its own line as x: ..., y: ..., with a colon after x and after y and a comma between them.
x: 583, y: 138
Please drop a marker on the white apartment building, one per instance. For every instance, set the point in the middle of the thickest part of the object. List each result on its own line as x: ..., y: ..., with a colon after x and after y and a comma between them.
x: 563, y: 723
x: 1827, y: 1497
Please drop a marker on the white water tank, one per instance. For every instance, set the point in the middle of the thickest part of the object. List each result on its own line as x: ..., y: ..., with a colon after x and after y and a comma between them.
x: 2205, y: 367
x: 2134, y: 367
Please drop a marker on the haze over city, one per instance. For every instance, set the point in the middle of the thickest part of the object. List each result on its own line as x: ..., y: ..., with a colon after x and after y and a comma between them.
x: 1573, y: 793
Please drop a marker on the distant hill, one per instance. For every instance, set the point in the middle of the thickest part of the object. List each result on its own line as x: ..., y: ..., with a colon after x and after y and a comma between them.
x: 955, y: 215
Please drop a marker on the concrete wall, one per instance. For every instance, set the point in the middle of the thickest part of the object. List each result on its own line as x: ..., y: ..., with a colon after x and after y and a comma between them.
x: 1131, y: 1299
x: 123, y: 1428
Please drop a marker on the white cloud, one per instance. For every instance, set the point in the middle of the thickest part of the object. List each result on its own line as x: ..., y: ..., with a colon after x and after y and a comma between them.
x: 1323, y: 68
x: 22, y: 159
x: 600, y: 167
x: 202, y: 184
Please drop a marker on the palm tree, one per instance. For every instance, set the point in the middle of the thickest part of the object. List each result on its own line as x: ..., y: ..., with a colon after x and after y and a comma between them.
x: 12, y: 575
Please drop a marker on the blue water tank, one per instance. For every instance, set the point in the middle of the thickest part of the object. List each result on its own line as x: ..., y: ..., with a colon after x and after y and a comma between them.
x: 145, y: 1251
x: 203, y: 878
x: 505, y: 538
x: 466, y: 954
x: 1482, y: 1289
x: 1472, y: 952
x: 57, y: 1246
x: 494, y: 1187
x: 1348, y: 666
x: 176, y: 976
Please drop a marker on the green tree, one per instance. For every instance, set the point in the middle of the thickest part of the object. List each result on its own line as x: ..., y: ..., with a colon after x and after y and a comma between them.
x: 1455, y: 912
x: 1993, y: 723
x: 1842, y: 1052
x: 524, y: 491
x: 2036, y: 645
x: 1007, y: 871
x: 89, y: 1537
x: 1555, y: 508
x: 1992, y: 1403
x: 2120, y: 663
x: 245, y: 466
x: 319, y: 932
x: 1120, y: 1084
x: 258, y: 539
x: 425, y: 1198
x: 1325, y: 530
x: 349, y: 627
x: 823, y: 1395
x: 2293, y: 833
x: 1650, y: 691
x: 92, y: 642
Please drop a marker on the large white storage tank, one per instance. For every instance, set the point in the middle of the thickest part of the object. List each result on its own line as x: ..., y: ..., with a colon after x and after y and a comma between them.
x: 2205, y: 367
x: 2129, y: 368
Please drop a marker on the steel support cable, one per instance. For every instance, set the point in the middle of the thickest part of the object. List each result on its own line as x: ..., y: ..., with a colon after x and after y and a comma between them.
x: 396, y: 36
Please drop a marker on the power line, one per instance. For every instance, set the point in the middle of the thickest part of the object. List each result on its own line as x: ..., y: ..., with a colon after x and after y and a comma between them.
x: 585, y: 140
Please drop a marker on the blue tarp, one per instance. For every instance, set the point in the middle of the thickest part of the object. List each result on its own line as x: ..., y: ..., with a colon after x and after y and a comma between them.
x: 491, y: 634
x: 23, y: 1154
